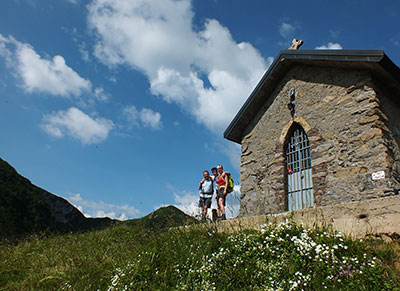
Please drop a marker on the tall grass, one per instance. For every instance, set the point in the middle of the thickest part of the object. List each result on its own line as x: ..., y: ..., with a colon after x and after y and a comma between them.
x: 79, y: 260
x: 129, y: 257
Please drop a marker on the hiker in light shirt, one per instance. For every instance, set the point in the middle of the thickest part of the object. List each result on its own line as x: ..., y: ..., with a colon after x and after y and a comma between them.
x: 206, y: 189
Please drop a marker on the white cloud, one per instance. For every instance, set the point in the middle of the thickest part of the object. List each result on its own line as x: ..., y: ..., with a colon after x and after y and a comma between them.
x: 84, y: 52
x: 330, y: 46
x: 78, y: 125
x: 101, y: 209
x: 286, y: 30
x: 101, y: 95
x: 205, y: 72
x: 4, y: 51
x: 112, y: 79
x: 131, y: 114
x: 50, y: 76
x: 188, y: 202
x: 150, y: 118
x: 146, y: 117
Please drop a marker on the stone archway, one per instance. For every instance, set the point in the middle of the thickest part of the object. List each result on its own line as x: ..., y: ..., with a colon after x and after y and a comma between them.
x: 319, y: 169
x: 304, y: 124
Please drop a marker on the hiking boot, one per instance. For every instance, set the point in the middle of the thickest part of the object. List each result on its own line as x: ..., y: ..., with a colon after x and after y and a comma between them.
x: 223, y: 217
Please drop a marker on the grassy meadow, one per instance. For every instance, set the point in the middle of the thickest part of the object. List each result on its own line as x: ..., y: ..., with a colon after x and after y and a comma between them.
x: 136, y: 257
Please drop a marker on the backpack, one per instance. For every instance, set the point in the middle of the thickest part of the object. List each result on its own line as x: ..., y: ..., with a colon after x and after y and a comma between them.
x: 231, y: 184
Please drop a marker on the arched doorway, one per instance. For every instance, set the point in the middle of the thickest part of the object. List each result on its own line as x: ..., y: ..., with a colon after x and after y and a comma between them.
x: 298, y: 166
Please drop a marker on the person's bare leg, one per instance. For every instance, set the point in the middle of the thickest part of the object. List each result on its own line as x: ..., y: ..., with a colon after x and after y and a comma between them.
x: 204, y: 212
x: 221, y: 207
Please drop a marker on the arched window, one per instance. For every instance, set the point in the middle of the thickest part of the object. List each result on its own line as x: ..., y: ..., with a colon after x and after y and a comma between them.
x: 298, y: 166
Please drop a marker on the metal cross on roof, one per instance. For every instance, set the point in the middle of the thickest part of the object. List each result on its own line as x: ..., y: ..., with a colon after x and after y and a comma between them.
x: 296, y: 44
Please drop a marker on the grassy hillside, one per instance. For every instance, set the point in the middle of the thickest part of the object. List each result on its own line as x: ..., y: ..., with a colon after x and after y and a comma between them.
x: 151, y: 253
x: 135, y: 257
x: 163, y: 217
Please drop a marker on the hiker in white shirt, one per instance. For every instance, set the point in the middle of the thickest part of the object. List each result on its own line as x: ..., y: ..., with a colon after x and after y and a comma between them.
x: 206, y: 189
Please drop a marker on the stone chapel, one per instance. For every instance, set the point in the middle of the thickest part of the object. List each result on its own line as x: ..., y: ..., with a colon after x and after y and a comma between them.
x: 321, y: 127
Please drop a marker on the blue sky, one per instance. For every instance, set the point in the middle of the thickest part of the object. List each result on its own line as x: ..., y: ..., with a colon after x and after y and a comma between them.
x: 118, y: 105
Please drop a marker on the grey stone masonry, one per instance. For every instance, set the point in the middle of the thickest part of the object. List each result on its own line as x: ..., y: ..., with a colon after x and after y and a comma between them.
x: 353, y: 128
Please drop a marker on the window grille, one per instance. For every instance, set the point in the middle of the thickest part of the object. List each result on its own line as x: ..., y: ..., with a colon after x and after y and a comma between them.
x: 299, y: 173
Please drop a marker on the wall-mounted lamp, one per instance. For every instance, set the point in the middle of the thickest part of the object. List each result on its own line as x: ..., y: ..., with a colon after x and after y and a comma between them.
x: 292, y: 95
x: 291, y: 106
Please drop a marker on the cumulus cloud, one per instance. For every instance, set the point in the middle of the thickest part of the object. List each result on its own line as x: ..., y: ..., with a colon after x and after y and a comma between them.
x: 206, y: 72
x: 50, y: 76
x: 101, y: 209
x: 78, y: 125
x: 150, y: 118
x: 188, y: 202
x: 330, y: 46
x: 146, y: 117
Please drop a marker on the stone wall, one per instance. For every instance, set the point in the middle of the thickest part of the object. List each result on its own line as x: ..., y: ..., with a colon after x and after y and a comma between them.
x: 373, y: 217
x: 389, y: 122
x: 350, y: 133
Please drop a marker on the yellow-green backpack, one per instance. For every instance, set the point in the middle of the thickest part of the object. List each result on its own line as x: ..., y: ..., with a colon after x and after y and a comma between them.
x: 231, y: 184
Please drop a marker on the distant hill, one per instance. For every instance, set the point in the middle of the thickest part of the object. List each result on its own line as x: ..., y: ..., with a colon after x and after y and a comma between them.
x: 168, y: 216
x: 26, y: 208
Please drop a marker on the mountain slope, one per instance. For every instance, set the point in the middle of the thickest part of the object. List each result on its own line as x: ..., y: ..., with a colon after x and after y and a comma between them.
x: 26, y: 208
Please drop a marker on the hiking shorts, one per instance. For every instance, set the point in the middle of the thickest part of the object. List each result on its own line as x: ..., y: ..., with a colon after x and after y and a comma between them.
x: 221, y: 195
x: 205, y: 202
